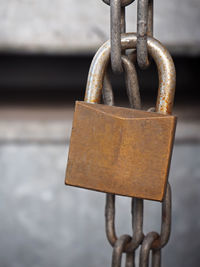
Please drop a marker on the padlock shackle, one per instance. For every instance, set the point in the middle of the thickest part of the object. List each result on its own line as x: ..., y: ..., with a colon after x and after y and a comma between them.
x: 162, y: 58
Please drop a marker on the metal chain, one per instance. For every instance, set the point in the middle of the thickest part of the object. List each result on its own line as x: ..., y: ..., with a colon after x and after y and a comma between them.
x: 155, y: 242
x: 115, y: 35
x: 118, y: 249
x: 151, y: 242
x: 144, y: 29
x: 124, y: 243
x: 131, y: 81
x: 117, y: 27
x: 137, y: 222
x: 166, y: 221
x: 146, y: 248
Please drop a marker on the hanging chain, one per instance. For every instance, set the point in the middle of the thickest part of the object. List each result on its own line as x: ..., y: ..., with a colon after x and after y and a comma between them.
x: 144, y: 29
x: 117, y: 27
x: 151, y: 242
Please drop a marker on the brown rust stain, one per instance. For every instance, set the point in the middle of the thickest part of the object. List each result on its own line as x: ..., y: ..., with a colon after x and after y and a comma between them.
x: 121, y: 151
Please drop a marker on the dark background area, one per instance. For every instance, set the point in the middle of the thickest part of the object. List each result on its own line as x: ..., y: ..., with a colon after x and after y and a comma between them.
x: 51, y: 79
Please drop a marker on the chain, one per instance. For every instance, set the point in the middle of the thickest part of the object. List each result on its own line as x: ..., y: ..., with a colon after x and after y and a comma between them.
x: 153, y: 241
x: 144, y: 29
x: 125, y: 243
x: 118, y: 26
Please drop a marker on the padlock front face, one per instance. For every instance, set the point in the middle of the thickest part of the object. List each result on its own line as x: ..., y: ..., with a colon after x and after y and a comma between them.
x: 120, y: 151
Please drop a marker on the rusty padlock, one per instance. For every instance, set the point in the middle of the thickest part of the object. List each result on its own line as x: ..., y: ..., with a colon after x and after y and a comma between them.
x: 120, y: 150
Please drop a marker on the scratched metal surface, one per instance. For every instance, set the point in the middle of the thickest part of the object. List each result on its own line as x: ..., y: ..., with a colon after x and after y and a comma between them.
x: 67, y: 25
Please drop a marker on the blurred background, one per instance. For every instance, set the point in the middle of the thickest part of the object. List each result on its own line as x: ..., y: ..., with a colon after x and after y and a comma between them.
x: 46, y: 48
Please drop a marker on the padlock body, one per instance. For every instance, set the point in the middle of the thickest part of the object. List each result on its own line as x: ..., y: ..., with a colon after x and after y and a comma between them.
x: 121, y: 151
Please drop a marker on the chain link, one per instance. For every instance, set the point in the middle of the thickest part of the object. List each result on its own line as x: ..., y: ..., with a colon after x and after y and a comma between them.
x: 118, y: 249
x: 166, y: 221
x: 137, y: 222
x: 146, y: 248
x: 131, y: 81
x: 116, y: 28
x: 123, y: 2
x: 144, y: 29
x: 108, y: 97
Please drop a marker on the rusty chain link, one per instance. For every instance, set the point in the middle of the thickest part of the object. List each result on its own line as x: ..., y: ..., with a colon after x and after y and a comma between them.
x: 117, y: 19
x: 137, y: 222
x: 126, y: 244
x: 144, y: 29
x: 131, y: 81
x: 118, y: 26
x: 146, y: 248
x: 166, y: 221
x: 151, y: 242
x: 118, y: 249
x: 115, y: 35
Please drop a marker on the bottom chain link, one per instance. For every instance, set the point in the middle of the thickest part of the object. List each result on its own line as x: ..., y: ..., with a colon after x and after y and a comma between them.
x: 118, y: 249
x: 145, y: 251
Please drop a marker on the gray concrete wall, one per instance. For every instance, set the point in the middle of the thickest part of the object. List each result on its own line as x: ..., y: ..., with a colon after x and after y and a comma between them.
x: 81, y: 26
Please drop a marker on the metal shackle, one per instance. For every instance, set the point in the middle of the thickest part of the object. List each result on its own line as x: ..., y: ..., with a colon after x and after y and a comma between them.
x: 162, y: 58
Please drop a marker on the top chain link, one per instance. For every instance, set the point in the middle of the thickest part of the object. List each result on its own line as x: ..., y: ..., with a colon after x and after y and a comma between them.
x: 116, y: 29
x: 144, y: 29
x: 123, y: 2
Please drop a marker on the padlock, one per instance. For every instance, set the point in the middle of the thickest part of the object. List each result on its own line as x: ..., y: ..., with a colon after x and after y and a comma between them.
x: 121, y: 150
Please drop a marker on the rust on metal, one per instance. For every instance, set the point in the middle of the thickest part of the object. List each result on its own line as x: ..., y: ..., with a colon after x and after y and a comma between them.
x: 162, y: 58
x: 120, y: 150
